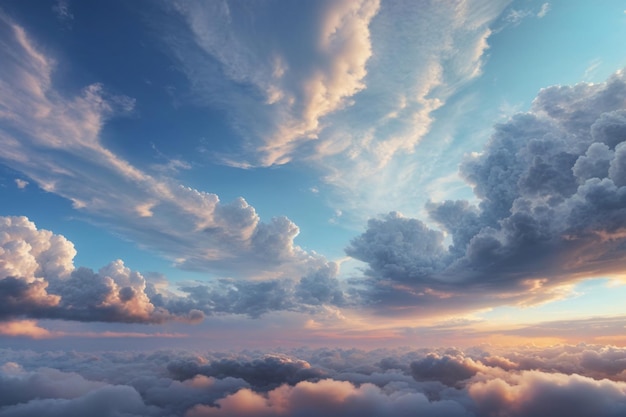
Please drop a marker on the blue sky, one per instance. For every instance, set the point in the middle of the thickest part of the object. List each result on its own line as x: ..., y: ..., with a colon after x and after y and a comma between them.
x: 276, y: 162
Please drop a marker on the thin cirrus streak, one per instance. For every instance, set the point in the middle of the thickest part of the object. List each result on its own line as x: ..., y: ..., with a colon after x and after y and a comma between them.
x: 193, y: 228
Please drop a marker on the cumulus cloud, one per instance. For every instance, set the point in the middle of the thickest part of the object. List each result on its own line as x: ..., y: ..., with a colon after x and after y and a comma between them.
x: 28, y: 328
x: 163, y: 383
x: 263, y: 374
x: 192, y: 228
x: 537, y: 394
x: 330, y: 398
x: 317, y: 289
x: 551, y: 202
x: 39, y: 280
x: 449, y: 370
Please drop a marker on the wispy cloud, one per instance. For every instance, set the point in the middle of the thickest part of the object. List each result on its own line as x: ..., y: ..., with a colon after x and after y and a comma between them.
x: 364, y: 95
x: 20, y: 183
x: 62, y: 11
x: 545, y: 8
x: 293, y: 90
x: 55, y: 141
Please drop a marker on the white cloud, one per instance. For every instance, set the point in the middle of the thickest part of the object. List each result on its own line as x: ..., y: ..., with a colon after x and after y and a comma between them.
x: 550, y: 187
x: 20, y: 183
x: 366, y: 94
x: 423, y: 53
x: 38, y: 280
x: 545, y: 8
x: 192, y: 227
x: 298, y: 89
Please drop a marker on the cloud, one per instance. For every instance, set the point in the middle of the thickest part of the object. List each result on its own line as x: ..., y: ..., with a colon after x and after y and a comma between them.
x: 291, y: 91
x: 537, y: 394
x: 423, y: 54
x: 38, y: 280
x: 497, y: 381
x: 105, y: 402
x: 26, y: 328
x: 263, y: 374
x: 545, y: 8
x: 551, y: 198
x: 327, y: 397
x: 62, y: 11
x: 357, y: 90
x: 315, y: 291
x: 53, y: 138
x: 20, y: 183
x: 447, y: 369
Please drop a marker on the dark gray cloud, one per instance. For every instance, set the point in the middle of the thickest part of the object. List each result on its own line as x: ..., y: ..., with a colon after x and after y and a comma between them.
x: 576, y: 381
x: 263, y: 374
x: 448, y: 370
x: 551, y: 190
x: 321, y: 287
x: 239, y: 297
x: 318, y: 288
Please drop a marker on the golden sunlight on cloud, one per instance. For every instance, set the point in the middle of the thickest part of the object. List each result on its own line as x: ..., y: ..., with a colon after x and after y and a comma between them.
x: 24, y: 328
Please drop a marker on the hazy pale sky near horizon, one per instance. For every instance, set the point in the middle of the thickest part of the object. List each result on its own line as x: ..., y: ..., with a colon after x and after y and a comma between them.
x: 347, y: 173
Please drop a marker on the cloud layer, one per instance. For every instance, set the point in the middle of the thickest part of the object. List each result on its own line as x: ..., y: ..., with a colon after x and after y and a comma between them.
x: 39, y: 280
x: 576, y: 381
x: 551, y: 203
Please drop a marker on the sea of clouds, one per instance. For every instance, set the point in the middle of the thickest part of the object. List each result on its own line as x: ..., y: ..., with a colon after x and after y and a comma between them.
x: 564, y: 380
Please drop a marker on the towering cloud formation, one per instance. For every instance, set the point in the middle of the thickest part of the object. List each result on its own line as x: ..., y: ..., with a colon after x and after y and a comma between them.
x: 552, y: 204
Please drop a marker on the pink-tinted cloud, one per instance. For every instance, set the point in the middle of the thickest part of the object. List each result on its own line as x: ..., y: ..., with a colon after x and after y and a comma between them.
x: 24, y: 328
x: 513, y: 382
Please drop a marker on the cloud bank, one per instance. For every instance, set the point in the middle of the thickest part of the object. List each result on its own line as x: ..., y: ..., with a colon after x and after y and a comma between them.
x: 559, y: 380
x: 551, y: 198
x: 38, y: 280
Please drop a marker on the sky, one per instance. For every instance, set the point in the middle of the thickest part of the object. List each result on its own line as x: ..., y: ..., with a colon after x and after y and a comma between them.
x: 399, y: 206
